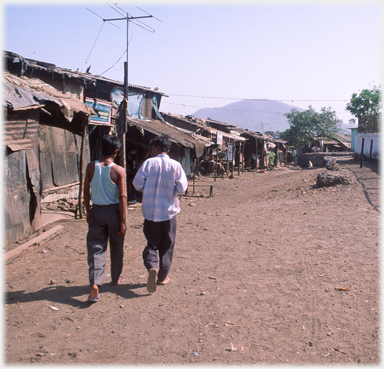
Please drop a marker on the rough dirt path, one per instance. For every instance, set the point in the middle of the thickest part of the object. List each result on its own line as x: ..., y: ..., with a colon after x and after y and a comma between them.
x: 267, y: 271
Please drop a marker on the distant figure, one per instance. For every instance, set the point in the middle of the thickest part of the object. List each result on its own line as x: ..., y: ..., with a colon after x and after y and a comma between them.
x: 321, y: 144
x: 105, y: 181
x: 160, y: 179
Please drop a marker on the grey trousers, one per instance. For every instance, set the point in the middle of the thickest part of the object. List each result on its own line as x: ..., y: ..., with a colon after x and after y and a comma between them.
x: 104, y: 225
x: 159, y: 250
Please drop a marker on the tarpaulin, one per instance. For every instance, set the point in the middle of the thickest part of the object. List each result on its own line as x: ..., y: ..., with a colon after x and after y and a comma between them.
x: 135, y: 101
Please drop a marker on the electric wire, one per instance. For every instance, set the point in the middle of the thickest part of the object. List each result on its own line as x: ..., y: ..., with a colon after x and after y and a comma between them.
x: 93, y: 46
x: 239, y: 98
x: 242, y: 110
x: 115, y: 63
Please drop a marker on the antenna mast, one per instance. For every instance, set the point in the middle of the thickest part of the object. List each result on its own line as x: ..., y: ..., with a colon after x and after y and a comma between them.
x: 126, y: 16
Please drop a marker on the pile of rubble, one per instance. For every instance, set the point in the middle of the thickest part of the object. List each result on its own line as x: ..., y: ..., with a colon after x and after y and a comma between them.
x: 333, y: 178
x: 63, y: 205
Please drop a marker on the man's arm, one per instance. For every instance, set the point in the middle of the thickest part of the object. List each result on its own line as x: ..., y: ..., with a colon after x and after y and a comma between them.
x: 87, y: 181
x: 122, y: 198
x: 181, y: 180
x: 140, y: 178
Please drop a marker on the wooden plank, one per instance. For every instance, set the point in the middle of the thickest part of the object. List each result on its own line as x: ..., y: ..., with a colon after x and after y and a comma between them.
x: 49, y: 234
x: 200, y: 185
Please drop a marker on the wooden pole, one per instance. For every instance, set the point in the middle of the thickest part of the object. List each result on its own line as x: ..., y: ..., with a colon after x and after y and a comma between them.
x: 257, y: 147
x: 61, y: 187
x: 276, y: 156
x: 193, y: 192
x: 238, y: 164
x: 81, y: 179
x: 362, y: 152
x: 370, y: 152
x: 215, y: 170
x: 125, y: 121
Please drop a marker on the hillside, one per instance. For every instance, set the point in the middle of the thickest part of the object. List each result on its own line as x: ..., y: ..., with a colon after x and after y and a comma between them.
x: 255, y: 115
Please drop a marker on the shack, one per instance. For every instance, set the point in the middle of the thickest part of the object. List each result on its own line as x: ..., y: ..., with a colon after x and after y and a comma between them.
x: 338, y: 142
x: 255, y: 149
x: 45, y: 118
x: 140, y: 132
x: 54, y: 121
x: 138, y: 125
x: 226, y: 150
x: 143, y: 104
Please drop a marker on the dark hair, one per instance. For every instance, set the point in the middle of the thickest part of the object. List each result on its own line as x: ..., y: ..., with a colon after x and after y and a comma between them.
x: 163, y: 142
x: 109, y: 144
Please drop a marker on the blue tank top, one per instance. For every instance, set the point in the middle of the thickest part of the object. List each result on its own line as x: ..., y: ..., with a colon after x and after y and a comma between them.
x: 103, y: 190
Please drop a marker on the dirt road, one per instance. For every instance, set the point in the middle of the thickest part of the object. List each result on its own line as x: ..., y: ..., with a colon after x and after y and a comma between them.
x: 267, y: 271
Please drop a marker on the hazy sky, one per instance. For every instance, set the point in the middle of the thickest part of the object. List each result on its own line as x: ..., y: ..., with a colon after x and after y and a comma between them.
x: 302, y: 53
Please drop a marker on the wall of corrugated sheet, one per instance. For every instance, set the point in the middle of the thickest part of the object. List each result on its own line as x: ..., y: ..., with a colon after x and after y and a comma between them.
x: 21, y: 175
x: 38, y: 157
x: 16, y: 197
x: 59, y: 156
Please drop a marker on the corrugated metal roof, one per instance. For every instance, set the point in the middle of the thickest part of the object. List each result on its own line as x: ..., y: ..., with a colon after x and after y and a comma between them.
x: 21, y: 93
x: 49, y: 67
x: 246, y: 133
x: 228, y: 126
x: 142, y: 88
x: 200, y: 123
x: 207, y: 141
x: 158, y: 128
x: 342, y: 138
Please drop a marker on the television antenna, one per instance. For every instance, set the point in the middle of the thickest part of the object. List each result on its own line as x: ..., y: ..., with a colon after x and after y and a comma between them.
x: 137, y: 21
x: 129, y: 19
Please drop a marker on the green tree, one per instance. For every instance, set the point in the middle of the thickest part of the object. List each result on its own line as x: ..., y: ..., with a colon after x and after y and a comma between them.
x: 367, y: 103
x: 308, y: 125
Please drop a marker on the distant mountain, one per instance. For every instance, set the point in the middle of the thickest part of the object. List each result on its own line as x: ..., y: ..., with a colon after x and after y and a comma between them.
x: 255, y: 115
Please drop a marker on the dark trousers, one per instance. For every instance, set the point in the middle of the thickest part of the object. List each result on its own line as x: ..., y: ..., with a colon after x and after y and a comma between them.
x: 159, y: 250
x: 104, y: 225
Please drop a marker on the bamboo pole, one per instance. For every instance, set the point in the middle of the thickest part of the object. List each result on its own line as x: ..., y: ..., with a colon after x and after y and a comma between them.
x: 81, y: 179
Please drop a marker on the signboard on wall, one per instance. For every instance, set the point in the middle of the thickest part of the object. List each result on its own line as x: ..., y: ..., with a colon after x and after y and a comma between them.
x: 219, y: 140
x: 103, y: 110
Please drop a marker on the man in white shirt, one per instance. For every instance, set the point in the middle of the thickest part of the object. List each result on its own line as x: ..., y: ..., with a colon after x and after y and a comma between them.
x: 160, y: 178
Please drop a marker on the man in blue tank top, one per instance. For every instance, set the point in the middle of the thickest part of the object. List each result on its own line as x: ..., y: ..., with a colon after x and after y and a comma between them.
x: 105, y: 185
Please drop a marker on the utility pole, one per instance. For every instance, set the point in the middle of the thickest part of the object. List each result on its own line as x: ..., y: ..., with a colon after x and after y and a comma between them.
x: 128, y: 18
